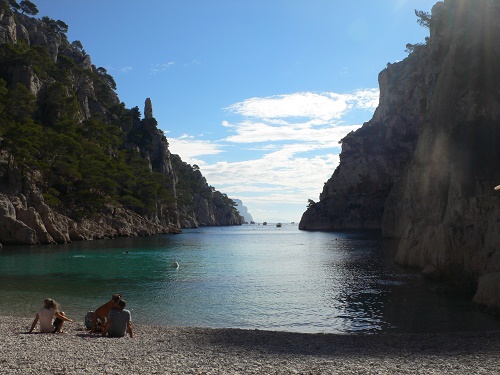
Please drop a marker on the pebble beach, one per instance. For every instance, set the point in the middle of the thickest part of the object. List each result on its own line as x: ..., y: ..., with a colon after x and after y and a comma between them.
x: 169, y: 350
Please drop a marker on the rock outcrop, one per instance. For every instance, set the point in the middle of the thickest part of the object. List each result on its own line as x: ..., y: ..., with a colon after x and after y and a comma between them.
x: 25, y: 218
x: 424, y: 168
x: 148, y: 109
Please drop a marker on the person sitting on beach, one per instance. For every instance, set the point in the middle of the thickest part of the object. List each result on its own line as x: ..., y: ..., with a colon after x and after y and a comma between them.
x: 119, y: 321
x: 46, y: 315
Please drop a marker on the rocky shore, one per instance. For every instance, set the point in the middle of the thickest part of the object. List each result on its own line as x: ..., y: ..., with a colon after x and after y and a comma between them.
x: 167, y: 350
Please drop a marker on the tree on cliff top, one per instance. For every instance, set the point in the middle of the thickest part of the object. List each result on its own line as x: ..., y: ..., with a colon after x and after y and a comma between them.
x: 59, y: 27
x: 28, y: 7
x: 424, y: 18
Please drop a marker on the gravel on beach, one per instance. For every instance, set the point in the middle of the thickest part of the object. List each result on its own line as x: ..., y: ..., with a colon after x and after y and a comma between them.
x: 168, y: 350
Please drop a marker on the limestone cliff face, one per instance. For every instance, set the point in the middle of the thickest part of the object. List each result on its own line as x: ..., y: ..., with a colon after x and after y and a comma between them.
x: 26, y: 217
x: 444, y: 207
x: 424, y: 168
x: 19, y: 28
x: 210, y: 212
x: 205, y: 206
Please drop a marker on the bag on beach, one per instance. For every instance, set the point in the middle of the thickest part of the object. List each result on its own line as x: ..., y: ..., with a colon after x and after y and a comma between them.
x: 89, y: 318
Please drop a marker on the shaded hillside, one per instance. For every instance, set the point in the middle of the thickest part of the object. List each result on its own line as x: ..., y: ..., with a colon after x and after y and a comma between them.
x: 75, y: 163
x: 424, y: 168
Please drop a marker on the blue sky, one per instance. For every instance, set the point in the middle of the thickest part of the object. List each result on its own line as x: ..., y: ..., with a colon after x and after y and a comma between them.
x: 257, y: 93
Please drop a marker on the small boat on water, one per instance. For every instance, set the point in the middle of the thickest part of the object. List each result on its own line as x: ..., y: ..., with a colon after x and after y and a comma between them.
x: 278, y: 225
x: 264, y: 223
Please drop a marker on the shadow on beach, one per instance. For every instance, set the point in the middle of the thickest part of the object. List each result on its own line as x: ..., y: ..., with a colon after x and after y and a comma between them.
x: 357, y: 344
x: 313, y: 344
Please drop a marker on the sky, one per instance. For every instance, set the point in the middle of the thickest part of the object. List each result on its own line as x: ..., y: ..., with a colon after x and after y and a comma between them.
x: 257, y: 93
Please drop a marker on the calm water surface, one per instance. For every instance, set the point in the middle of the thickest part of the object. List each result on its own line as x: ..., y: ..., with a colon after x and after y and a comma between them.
x: 251, y: 276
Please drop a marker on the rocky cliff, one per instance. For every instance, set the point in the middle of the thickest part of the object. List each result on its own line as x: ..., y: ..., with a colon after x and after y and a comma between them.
x: 423, y: 170
x: 71, y: 105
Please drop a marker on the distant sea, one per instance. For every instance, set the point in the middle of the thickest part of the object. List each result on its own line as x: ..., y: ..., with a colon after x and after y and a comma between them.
x: 250, y: 276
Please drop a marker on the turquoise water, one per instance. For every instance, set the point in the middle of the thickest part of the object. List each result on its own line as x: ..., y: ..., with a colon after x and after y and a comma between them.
x: 251, y: 276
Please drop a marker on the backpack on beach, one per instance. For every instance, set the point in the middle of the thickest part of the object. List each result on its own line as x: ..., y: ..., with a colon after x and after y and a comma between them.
x: 88, y: 320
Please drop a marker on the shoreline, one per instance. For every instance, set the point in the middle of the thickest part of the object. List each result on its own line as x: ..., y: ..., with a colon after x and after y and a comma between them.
x: 190, y: 350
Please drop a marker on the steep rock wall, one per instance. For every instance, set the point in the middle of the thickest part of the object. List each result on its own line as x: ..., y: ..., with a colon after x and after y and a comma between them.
x: 444, y: 208
x: 424, y: 168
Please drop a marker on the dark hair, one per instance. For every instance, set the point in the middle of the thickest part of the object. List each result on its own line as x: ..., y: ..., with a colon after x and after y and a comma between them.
x: 116, y: 297
x: 122, y: 303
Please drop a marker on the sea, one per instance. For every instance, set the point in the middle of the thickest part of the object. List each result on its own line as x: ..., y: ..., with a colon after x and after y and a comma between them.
x: 250, y: 276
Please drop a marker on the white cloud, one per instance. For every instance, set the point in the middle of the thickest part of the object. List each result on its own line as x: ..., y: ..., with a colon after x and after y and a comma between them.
x: 277, y: 185
x: 366, y: 98
x: 294, y: 141
x: 325, y: 106
x: 253, y: 132
x: 308, y: 117
x: 279, y: 177
x: 278, y: 171
x: 157, y: 68
x: 188, y: 147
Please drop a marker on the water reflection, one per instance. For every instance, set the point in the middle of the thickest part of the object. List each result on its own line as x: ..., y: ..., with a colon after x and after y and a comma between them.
x: 242, y: 277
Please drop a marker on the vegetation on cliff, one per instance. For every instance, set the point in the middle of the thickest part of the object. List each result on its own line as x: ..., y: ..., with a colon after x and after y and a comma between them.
x: 64, y: 130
